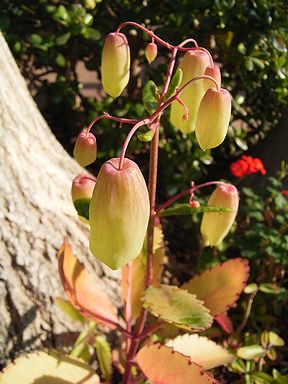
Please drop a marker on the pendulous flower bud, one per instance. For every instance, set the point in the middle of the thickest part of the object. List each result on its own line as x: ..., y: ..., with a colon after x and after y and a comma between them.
x: 213, y: 118
x: 85, y: 150
x: 119, y: 213
x: 216, y: 225
x: 212, y: 71
x: 151, y: 52
x: 82, y: 187
x: 115, y: 64
x: 193, y: 64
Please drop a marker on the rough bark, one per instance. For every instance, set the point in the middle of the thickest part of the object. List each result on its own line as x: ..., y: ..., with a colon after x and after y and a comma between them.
x: 35, y: 213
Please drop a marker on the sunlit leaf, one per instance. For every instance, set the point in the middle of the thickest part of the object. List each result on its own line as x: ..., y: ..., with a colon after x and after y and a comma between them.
x: 48, y: 368
x: 150, y: 96
x: 69, y: 310
x: 220, y: 286
x: 175, y: 82
x: 83, y: 291
x: 262, y: 378
x: 201, y: 350
x: 177, y: 306
x: 104, y: 356
x: 135, y: 278
x: 251, y: 352
x: 275, y: 340
x: 272, y: 289
x: 162, y: 365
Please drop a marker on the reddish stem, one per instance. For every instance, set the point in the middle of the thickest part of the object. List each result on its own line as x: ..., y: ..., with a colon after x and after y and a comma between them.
x: 114, y: 118
x: 186, y: 192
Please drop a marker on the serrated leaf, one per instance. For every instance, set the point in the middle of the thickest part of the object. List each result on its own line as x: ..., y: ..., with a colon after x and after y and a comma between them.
x: 186, y: 209
x: 176, y: 306
x: 82, y: 207
x: 201, y: 350
x: 48, y: 368
x: 69, y: 310
x: 83, y: 291
x: 220, y: 286
x: 251, y: 352
x: 162, y: 365
x: 138, y: 272
x: 104, y: 356
x: 151, y: 96
x: 174, y: 84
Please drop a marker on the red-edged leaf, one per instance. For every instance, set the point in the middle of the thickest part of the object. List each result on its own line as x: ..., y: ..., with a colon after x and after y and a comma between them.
x: 225, y: 323
x: 162, y: 365
x: 83, y: 291
x: 134, y: 274
x: 221, y: 286
x: 176, y: 306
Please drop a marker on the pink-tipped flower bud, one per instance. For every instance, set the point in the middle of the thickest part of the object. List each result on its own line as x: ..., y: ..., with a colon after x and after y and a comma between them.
x: 82, y: 187
x: 212, y: 71
x: 213, y: 118
x: 119, y: 213
x: 193, y: 65
x: 85, y: 150
x: 216, y: 225
x: 151, y: 52
x: 115, y: 64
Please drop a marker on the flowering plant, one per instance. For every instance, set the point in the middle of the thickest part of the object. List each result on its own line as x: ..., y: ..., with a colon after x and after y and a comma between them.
x: 246, y: 166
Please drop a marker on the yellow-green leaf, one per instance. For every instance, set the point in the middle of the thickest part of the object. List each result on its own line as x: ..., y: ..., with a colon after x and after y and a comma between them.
x: 48, y: 368
x: 177, y: 306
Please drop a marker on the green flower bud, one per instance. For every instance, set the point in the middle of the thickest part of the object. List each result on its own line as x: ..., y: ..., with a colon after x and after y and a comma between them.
x: 213, y: 118
x: 151, y: 52
x: 216, y: 225
x: 85, y: 150
x: 115, y: 64
x: 193, y: 64
x: 119, y: 213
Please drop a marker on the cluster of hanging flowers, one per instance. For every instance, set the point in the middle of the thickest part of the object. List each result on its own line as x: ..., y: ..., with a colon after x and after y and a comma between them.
x: 119, y: 206
x: 246, y: 166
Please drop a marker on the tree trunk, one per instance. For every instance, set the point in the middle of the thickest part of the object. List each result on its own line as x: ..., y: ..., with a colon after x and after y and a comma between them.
x: 36, y: 212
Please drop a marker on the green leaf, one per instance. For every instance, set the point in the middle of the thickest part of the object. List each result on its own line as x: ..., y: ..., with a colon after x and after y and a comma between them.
x: 186, y: 209
x: 62, y: 39
x: 174, y: 84
x: 269, y: 288
x: 88, y: 19
x: 69, y: 310
x: 61, y: 13
x: 48, y: 367
x: 60, y: 60
x: 150, y: 96
x: 91, y: 33
x: 104, y: 356
x: 275, y: 340
x: 82, y: 207
x: 251, y: 352
x: 176, y: 306
x: 262, y: 378
x: 36, y: 39
x: 251, y: 288
x: 146, y: 137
